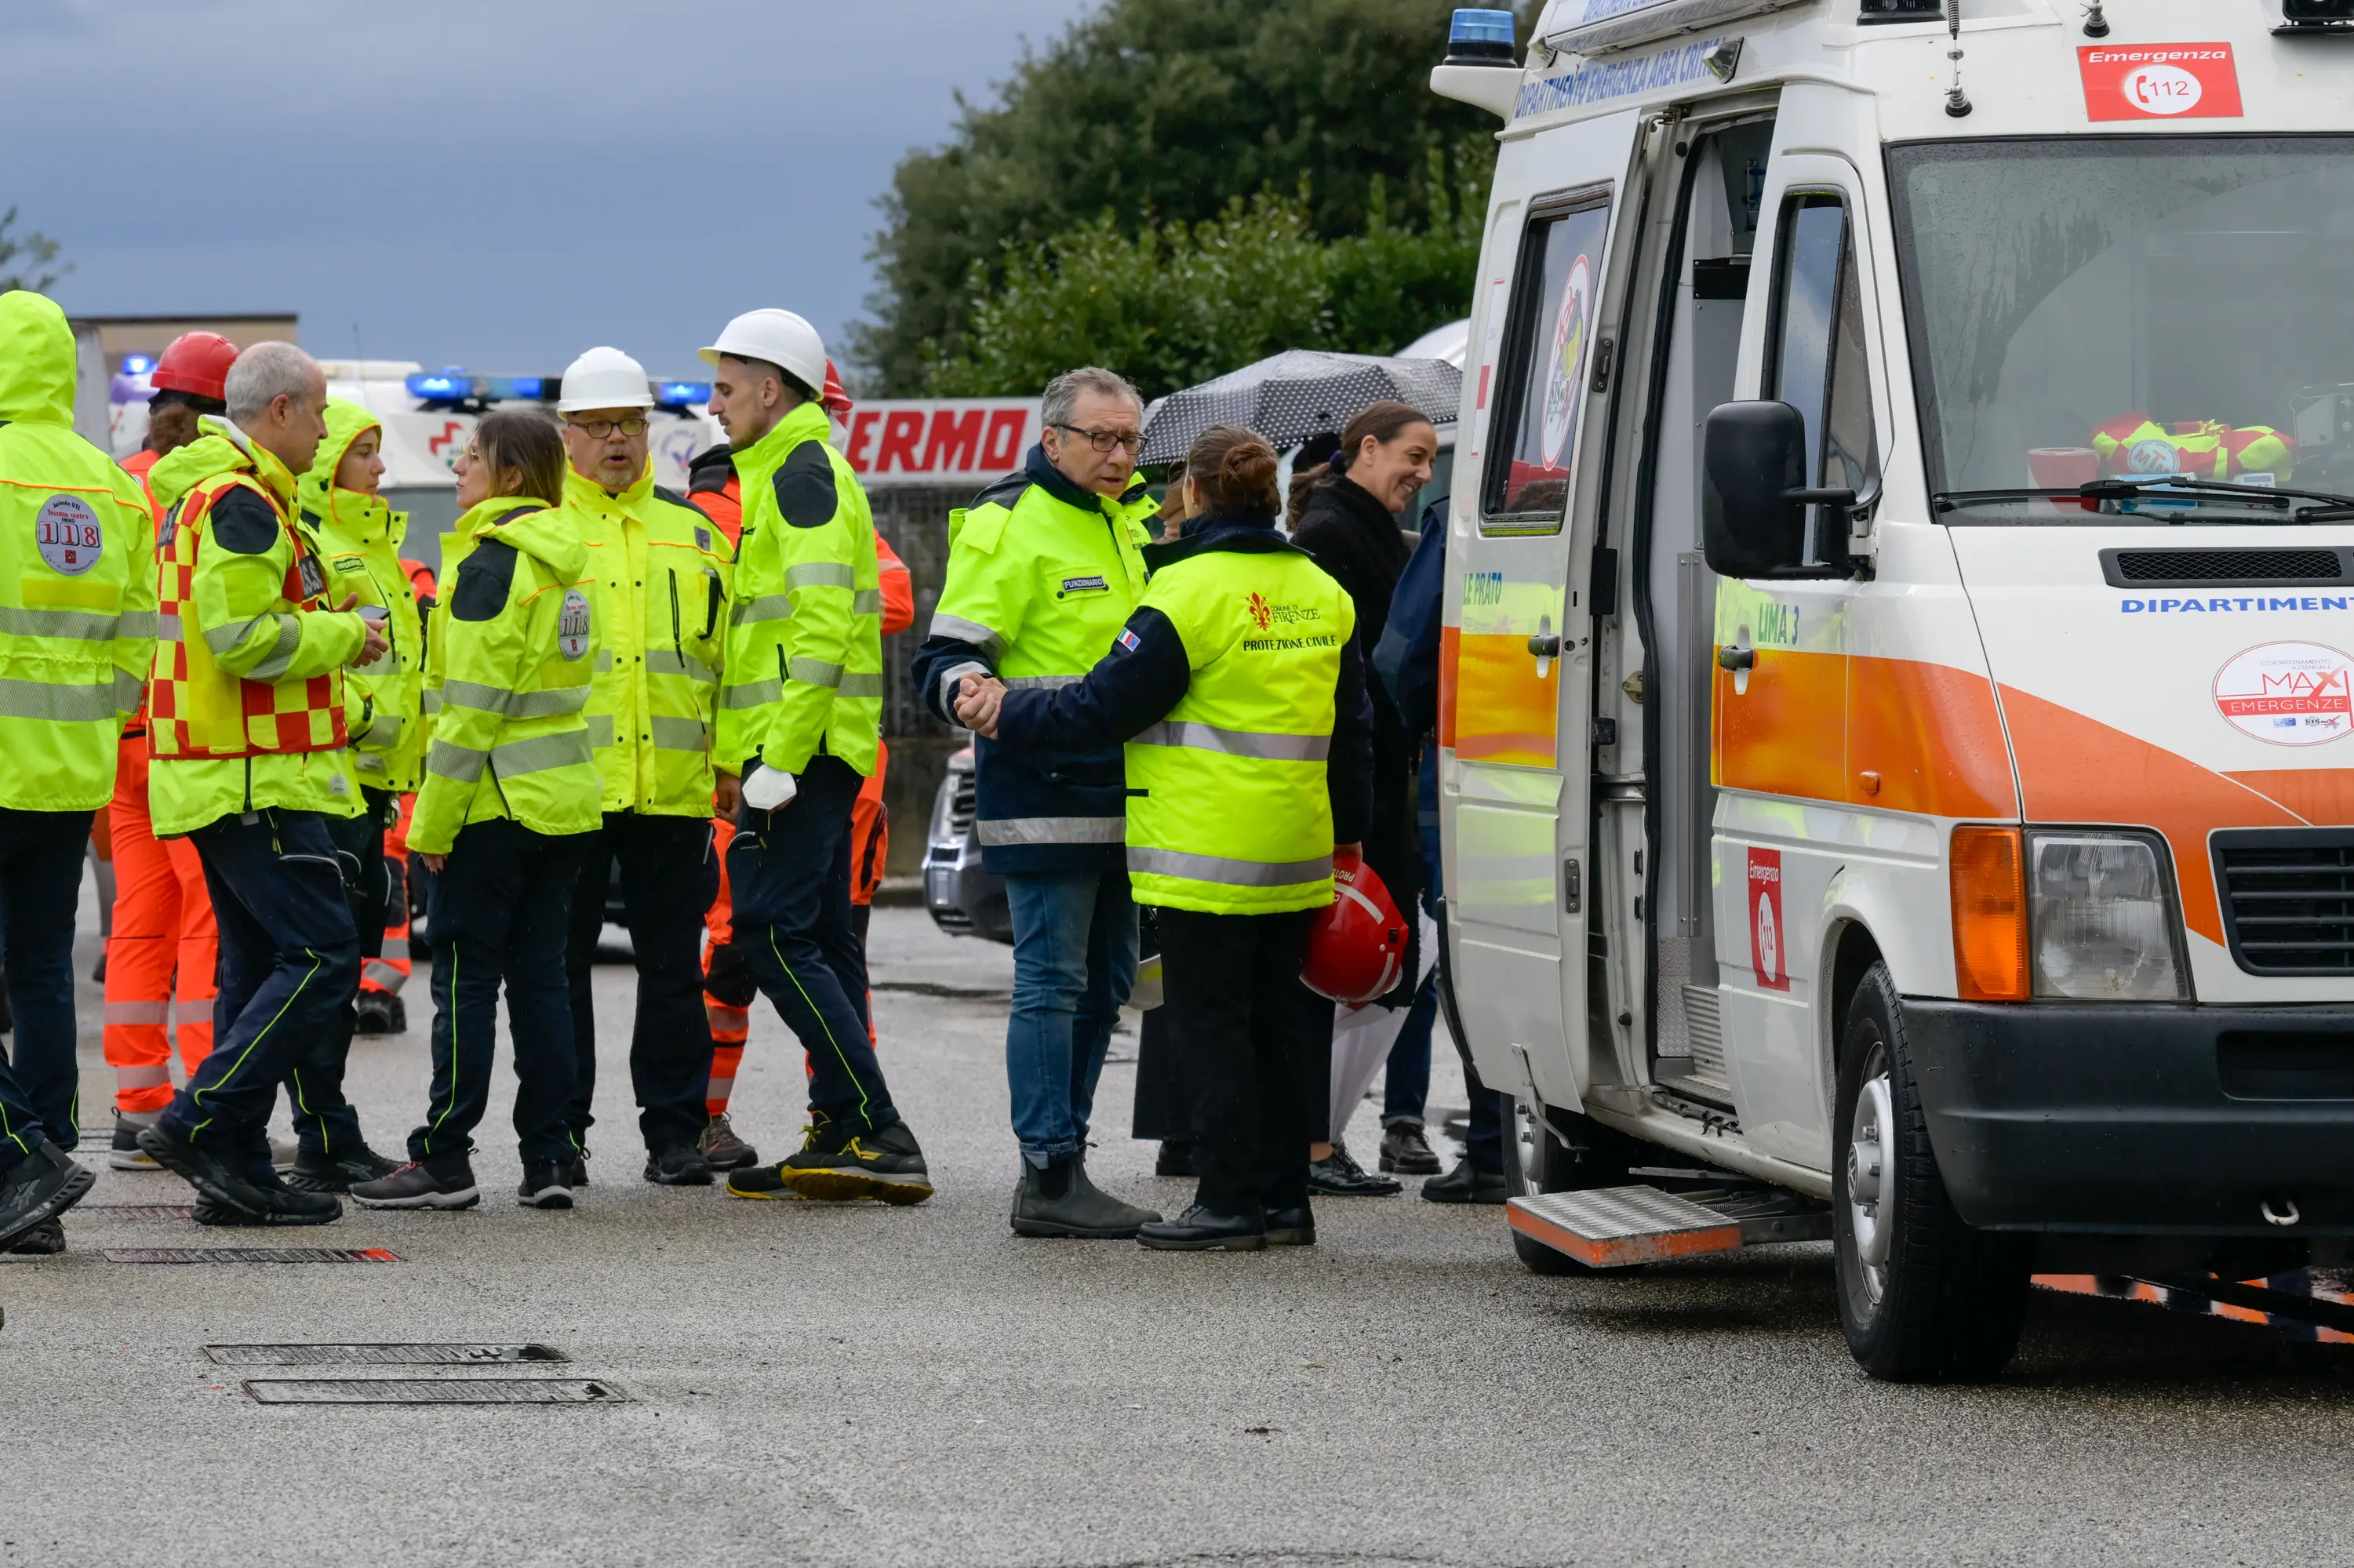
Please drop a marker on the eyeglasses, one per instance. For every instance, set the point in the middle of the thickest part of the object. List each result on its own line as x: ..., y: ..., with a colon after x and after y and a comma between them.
x: 603, y: 429
x: 1104, y: 441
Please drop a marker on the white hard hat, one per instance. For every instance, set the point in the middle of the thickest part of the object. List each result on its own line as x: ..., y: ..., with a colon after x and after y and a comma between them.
x: 604, y: 378
x: 779, y: 337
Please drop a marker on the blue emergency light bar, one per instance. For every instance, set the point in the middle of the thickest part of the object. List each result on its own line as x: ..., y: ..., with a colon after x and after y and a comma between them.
x: 1480, y: 37
x: 137, y: 364
x: 452, y: 385
x: 681, y: 394
x: 446, y: 386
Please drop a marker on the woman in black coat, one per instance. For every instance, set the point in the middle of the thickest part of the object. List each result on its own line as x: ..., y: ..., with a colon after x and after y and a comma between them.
x: 1346, y: 513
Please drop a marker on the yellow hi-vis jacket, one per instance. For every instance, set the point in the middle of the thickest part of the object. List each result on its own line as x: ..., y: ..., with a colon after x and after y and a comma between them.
x: 514, y: 646
x: 805, y: 613
x: 246, y: 710
x: 661, y: 569
x: 360, y: 536
x: 77, y: 578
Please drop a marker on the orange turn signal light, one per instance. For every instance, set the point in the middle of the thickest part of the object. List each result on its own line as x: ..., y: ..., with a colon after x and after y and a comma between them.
x: 1989, y: 915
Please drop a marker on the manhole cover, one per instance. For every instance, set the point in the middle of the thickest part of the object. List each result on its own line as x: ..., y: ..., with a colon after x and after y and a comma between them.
x: 433, y: 1391
x: 249, y: 1254
x: 378, y: 1355
x: 137, y: 1211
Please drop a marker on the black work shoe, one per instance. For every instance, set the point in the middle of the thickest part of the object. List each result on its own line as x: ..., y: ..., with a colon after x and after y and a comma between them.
x: 1406, y: 1150
x: 722, y: 1147
x: 1293, y: 1227
x: 211, y: 1176
x: 380, y: 1012
x: 678, y: 1165
x: 125, y: 1153
x: 274, y: 1203
x: 1338, y: 1175
x: 1175, y: 1159
x: 1059, y: 1200
x: 1205, y: 1230
x: 546, y: 1185
x: 576, y: 1171
x: 444, y: 1184
x: 1465, y: 1185
x: 886, y: 1164
x: 317, y: 1172
x: 762, y: 1181
x: 44, y: 1240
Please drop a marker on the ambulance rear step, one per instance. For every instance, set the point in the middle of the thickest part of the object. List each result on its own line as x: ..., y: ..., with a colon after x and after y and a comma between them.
x: 1617, y: 1227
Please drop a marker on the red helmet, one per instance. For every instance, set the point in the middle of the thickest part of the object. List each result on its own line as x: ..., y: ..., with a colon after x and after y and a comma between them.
x: 1356, y: 948
x: 833, y: 399
x: 196, y: 362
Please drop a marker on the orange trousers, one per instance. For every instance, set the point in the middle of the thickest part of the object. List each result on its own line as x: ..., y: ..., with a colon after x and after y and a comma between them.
x: 163, y: 928
x: 870, y: 851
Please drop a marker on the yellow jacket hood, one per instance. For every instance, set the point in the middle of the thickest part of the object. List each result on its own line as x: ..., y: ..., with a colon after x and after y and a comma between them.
x: 37, y: 360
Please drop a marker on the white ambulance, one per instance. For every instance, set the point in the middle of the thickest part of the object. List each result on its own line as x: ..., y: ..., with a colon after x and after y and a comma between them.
x: 1897, y: 748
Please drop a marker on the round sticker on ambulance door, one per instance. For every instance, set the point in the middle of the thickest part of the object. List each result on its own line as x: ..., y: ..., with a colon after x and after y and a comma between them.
x: 2290, y: 694
x: 572, y: 625
x: 1568, y: 360
x: 67, y: 533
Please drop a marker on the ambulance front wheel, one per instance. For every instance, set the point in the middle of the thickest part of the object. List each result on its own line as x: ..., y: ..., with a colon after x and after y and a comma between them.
x: 1538, y: 1159
x: 1922, y: 1297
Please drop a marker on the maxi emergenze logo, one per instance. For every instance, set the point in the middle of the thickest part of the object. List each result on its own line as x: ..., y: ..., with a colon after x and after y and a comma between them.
x: 1599, y: 82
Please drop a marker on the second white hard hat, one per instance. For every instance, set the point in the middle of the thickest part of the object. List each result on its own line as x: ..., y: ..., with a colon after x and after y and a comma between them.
x: 604, y: 378
x: 777, y: 336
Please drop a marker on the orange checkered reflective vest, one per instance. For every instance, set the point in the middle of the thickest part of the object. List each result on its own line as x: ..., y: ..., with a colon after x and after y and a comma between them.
x: 195, y: 708
x: 2135, y: 444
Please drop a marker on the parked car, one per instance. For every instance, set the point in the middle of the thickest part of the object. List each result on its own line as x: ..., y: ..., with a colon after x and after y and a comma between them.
x: 964, y: 899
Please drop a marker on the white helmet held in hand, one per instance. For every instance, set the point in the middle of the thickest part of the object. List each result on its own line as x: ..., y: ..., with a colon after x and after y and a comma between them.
x: 781, y: 337
x: 604, y: 378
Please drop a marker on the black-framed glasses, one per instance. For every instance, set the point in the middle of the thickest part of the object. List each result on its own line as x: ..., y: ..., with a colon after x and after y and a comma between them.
x: 1104, y: 441
x: 603, y: 429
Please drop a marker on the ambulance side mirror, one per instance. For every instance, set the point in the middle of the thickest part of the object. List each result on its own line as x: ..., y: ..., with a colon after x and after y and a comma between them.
x: 1753, y: 496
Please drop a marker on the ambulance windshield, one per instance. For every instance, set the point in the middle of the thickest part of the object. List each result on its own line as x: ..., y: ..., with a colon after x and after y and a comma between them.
x: 2129, y: 307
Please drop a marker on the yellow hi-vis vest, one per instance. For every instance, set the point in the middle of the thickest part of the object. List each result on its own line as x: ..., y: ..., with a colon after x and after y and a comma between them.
x: 195, y: 708
x: 1227, y: 811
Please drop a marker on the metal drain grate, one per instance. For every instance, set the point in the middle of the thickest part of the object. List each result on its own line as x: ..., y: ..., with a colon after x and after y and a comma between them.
x: 136, y: 1211
x: 385, y: 1355
x: 433, y: 1391
x: 249, y: 1254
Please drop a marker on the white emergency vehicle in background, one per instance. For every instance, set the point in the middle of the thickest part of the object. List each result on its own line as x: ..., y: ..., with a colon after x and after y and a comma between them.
x: 1897, y: 748
x: 428, y: 419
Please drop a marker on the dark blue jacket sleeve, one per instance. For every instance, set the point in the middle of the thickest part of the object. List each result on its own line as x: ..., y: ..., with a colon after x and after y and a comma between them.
x: 1349, y: 769
x: 937, y: 670
x: 1130, y: 688
x: 1407, y: 658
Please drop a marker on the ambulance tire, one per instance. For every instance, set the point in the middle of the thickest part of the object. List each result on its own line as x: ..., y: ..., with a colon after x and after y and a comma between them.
x: 1537, y: 1160
x: 1922, y: 1297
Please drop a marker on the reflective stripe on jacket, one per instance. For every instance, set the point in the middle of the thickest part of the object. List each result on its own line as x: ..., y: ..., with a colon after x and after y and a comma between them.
x: 77, y: 578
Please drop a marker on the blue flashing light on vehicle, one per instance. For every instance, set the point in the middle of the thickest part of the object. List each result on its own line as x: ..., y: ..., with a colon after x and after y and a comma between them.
x: 448, y: 385
x: 1480, y: 35
x: 681, y: 394
x: 137, y: 363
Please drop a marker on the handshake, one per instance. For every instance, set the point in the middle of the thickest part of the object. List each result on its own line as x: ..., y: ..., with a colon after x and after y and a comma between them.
x: 977, y: 702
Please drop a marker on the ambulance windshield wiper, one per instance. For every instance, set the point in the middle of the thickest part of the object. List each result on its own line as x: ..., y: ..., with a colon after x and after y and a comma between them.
x: 2332, y: 507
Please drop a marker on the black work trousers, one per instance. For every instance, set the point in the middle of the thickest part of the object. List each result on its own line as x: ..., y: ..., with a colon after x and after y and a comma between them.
x: 670, y: 876
x: 789, y: 873
x: 498, y: 916
x: 40, y: 888
x: 289, y: 959
x: 1252, y: 1041
x: 323, y: 1119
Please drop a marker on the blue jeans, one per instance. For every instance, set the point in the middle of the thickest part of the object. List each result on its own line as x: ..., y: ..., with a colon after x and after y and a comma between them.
x: 1074, y: 964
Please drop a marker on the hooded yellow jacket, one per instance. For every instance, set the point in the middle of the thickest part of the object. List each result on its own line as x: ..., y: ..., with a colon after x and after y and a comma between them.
x: 360, y: 536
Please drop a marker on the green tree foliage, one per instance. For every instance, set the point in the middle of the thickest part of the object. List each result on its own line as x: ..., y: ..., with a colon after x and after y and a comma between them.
x: 1163, y: 113
x: 25, y: 264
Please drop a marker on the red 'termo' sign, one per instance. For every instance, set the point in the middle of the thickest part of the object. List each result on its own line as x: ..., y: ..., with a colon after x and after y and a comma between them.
x: 939, y: 441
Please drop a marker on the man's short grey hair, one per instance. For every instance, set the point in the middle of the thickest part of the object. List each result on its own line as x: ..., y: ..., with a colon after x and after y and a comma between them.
x: 1062, y: 395
x: 264, y: 374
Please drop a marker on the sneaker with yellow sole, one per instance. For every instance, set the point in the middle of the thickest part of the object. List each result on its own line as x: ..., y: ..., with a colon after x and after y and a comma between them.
x: 885, y: 1165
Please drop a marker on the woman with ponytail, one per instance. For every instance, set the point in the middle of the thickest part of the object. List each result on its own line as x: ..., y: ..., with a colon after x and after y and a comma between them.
x: 1347, y: 512
x: 1238, y: 689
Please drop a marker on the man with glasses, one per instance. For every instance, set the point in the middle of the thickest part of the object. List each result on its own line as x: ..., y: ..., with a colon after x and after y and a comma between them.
x: 1043, y: 572
x: 661, y: 571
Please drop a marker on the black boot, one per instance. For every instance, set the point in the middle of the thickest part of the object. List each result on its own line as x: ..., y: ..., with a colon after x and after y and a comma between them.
x: 317, y: 1172
x: 1292, y: 1227
x: 1465, y: 1185
x: 1059, y: 1200
x: 1175, y: 1159
x: 1205, y: 1230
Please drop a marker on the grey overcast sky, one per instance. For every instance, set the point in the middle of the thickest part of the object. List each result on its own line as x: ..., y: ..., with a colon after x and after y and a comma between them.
x: 496, y: 184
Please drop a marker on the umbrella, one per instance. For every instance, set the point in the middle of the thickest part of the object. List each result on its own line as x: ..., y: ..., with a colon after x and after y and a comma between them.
x: 1297, y: 394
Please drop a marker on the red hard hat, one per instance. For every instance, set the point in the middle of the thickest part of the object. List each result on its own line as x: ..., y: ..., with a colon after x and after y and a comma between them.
x: 833, y: 399
x: 1356, y: 948
x: 196, y: 362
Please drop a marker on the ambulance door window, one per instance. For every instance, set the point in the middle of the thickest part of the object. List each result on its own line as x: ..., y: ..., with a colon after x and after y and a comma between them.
x: 1549, y: 334
x: 1817, y: 343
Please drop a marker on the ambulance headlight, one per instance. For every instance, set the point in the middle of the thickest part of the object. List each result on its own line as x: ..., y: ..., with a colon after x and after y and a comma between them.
x: 2101, y: 921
